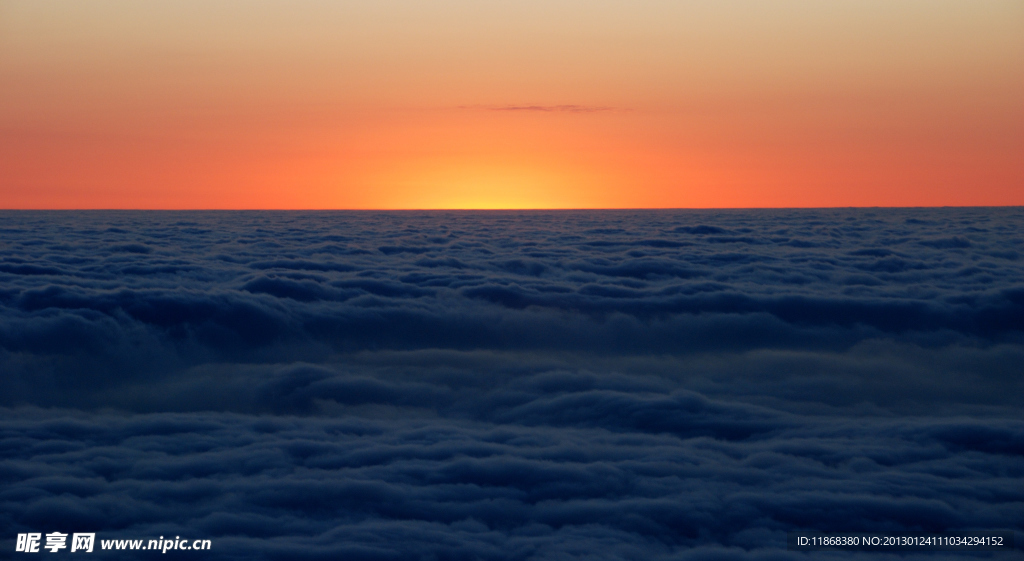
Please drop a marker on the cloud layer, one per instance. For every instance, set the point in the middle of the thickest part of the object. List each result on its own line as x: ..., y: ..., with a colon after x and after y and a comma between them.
x: 541, y: 385
x: 548, y: 480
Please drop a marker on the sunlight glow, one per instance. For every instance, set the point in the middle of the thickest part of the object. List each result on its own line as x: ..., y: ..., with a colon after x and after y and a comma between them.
x: 490, y: 186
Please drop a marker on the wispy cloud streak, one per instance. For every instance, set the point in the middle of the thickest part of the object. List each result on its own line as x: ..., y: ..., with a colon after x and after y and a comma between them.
x: 545, y: 108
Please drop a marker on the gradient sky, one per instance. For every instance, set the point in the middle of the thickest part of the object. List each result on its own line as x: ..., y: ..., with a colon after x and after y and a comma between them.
x: 510, y: 104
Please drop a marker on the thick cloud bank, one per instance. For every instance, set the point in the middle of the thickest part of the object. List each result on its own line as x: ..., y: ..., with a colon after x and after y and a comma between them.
x: 511, y: 385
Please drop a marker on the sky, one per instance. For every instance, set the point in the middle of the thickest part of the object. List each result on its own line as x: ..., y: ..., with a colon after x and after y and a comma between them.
x: 406, y: 104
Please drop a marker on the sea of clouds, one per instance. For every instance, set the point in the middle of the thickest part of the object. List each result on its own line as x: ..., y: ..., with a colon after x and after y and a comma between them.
x: 511, y: 385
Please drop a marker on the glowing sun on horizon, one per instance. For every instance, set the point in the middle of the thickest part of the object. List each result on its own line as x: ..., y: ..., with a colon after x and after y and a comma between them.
x: 482, y: 186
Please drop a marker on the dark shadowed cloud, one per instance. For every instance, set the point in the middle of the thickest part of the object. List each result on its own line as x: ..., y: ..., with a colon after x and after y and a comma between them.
x: 538, y: 385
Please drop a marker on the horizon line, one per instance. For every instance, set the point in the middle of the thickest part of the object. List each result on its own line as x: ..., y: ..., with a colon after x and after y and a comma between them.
x: 530, y: 209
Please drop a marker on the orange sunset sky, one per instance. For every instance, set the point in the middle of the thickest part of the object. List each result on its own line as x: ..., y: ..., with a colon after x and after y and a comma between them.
x: 397, y: 104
